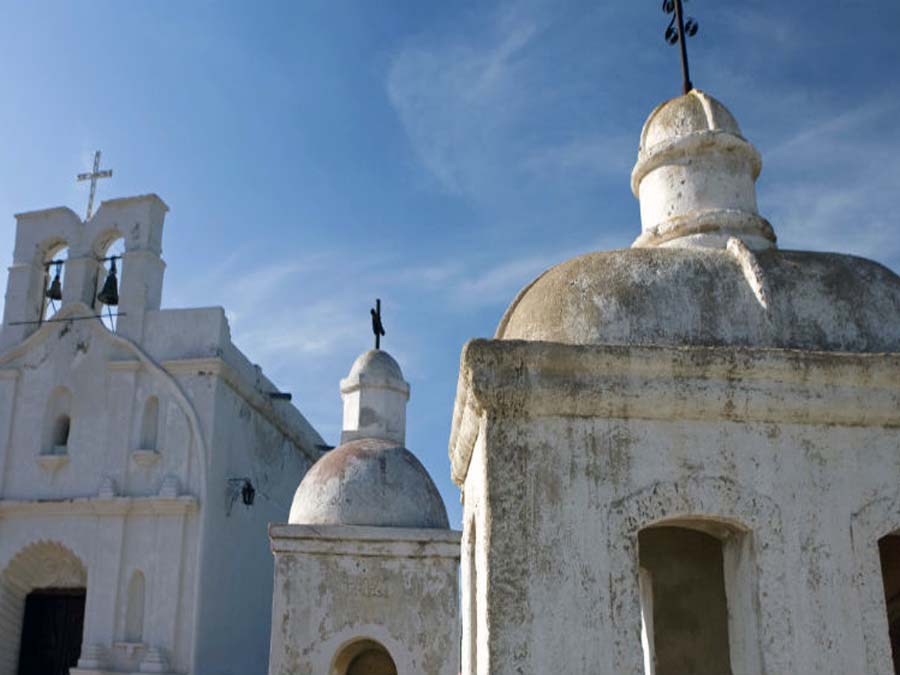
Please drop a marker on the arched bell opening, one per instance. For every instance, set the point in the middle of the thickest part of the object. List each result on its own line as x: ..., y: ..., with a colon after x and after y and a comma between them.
x: 109, y: 249
x: 53, y: 260
x: 364, y: 657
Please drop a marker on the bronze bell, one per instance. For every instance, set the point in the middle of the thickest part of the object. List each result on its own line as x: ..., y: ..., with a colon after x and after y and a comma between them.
x: 109, y: 294
x: 54, y: 292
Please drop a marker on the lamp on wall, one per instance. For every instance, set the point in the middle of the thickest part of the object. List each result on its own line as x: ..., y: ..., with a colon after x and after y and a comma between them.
x: 244, y: 488
x: 248, y: 493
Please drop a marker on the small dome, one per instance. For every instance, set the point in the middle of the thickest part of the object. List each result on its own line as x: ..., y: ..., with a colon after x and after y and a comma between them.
x: 369, y: 482
x: 695, y: 177
x: 703, y: 297
x: 695, y: 112
x: 375, y: 364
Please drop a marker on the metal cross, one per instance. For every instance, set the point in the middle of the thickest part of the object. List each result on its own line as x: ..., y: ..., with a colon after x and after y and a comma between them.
x: 676, y: 32
x: 93, y: 176
x: 377, y: 327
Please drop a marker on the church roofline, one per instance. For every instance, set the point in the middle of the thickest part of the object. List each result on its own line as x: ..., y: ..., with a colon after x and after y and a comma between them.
x: 122, y: 201
x: 117, y: 201
x: 46, y: 212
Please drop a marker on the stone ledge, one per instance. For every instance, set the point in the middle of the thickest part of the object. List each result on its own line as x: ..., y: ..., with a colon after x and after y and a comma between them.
x: 365, y: 541
x: 509, y: 379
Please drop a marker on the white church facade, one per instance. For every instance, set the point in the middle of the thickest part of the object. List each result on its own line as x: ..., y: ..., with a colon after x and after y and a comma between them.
x: 139, y: 468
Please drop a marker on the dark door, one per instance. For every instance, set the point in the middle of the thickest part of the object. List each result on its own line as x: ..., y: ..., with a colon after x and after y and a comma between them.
x: 51, y: 631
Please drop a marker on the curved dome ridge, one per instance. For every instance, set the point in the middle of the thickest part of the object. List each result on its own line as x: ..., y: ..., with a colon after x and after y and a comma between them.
x: 376, y: 364
x: 692, y: 113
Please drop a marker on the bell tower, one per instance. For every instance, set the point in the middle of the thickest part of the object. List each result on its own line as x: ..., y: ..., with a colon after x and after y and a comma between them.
x: 139, y: 220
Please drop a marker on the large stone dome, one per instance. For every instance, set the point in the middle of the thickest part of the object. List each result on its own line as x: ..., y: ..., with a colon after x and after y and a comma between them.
x: 705, y: 296
x: 705, y: 270
x: 369, y: 482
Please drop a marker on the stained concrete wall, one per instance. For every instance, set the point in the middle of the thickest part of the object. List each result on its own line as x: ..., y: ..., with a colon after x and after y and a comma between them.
x: 574, y: 450
x: 336, y: 585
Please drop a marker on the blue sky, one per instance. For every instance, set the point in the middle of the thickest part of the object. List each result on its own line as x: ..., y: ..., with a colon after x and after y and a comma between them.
x: 316, y: 155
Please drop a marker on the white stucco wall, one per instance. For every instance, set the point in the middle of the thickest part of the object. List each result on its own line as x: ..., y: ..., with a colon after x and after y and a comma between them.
x: 565, y: 453
x: 109, y: 504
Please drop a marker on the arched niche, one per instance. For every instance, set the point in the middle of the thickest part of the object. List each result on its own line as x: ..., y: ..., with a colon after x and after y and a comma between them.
x: 41, y: 565
x: 749, y: 526
x: 685, y: 606
x: 364, y: 656
x: 57, y: 423
x: 134, y: 608
x: 149, y: 425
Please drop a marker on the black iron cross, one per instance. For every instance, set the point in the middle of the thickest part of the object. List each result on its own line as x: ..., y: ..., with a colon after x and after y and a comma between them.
x: 377, y: 327
x: 676, y: 32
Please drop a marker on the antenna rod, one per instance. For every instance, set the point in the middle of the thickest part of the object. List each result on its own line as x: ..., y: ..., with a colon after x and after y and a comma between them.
x: 679, y: 14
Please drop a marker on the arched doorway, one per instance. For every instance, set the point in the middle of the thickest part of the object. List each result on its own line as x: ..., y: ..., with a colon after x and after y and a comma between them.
x: 42, y: 592
x: 364, y: 657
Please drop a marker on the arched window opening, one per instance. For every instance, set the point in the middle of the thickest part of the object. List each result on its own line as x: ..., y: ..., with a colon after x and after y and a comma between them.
x: 110, y: 251
x: 683, y: 602
x: 889, y: 552
x: 150, y: 424
x: 134, y: 612
x: 54, y: 263
x: 61, y: 431
x: 58, y: 423
x: 364, y: 657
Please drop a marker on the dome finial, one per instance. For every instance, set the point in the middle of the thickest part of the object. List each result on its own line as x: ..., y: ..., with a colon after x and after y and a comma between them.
x: 695, y: 177
x: 375, y: 396
x: 677, y: 32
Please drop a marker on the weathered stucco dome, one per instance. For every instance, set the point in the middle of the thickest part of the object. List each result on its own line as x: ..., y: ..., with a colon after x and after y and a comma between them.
x: 369, y: 482
x: 375, y: 364
x: 682, y: 296
x: 705, y: 269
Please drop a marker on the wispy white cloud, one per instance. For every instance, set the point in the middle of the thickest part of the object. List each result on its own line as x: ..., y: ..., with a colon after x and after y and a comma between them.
x: 456, y: 99
x: 482, y: 111
x: 836, y: 182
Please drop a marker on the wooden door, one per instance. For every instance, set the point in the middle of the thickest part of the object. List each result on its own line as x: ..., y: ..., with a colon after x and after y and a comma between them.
x: 51, y: 631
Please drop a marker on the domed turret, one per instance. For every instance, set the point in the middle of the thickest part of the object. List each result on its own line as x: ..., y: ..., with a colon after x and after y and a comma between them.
x: 369, y: 482
x: 371, y: 479
x: 375, y: 396
x: 695, y: 177
x: 705, y: 270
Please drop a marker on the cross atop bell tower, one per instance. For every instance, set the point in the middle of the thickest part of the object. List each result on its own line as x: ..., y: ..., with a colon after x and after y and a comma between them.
x: 93, y: 176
